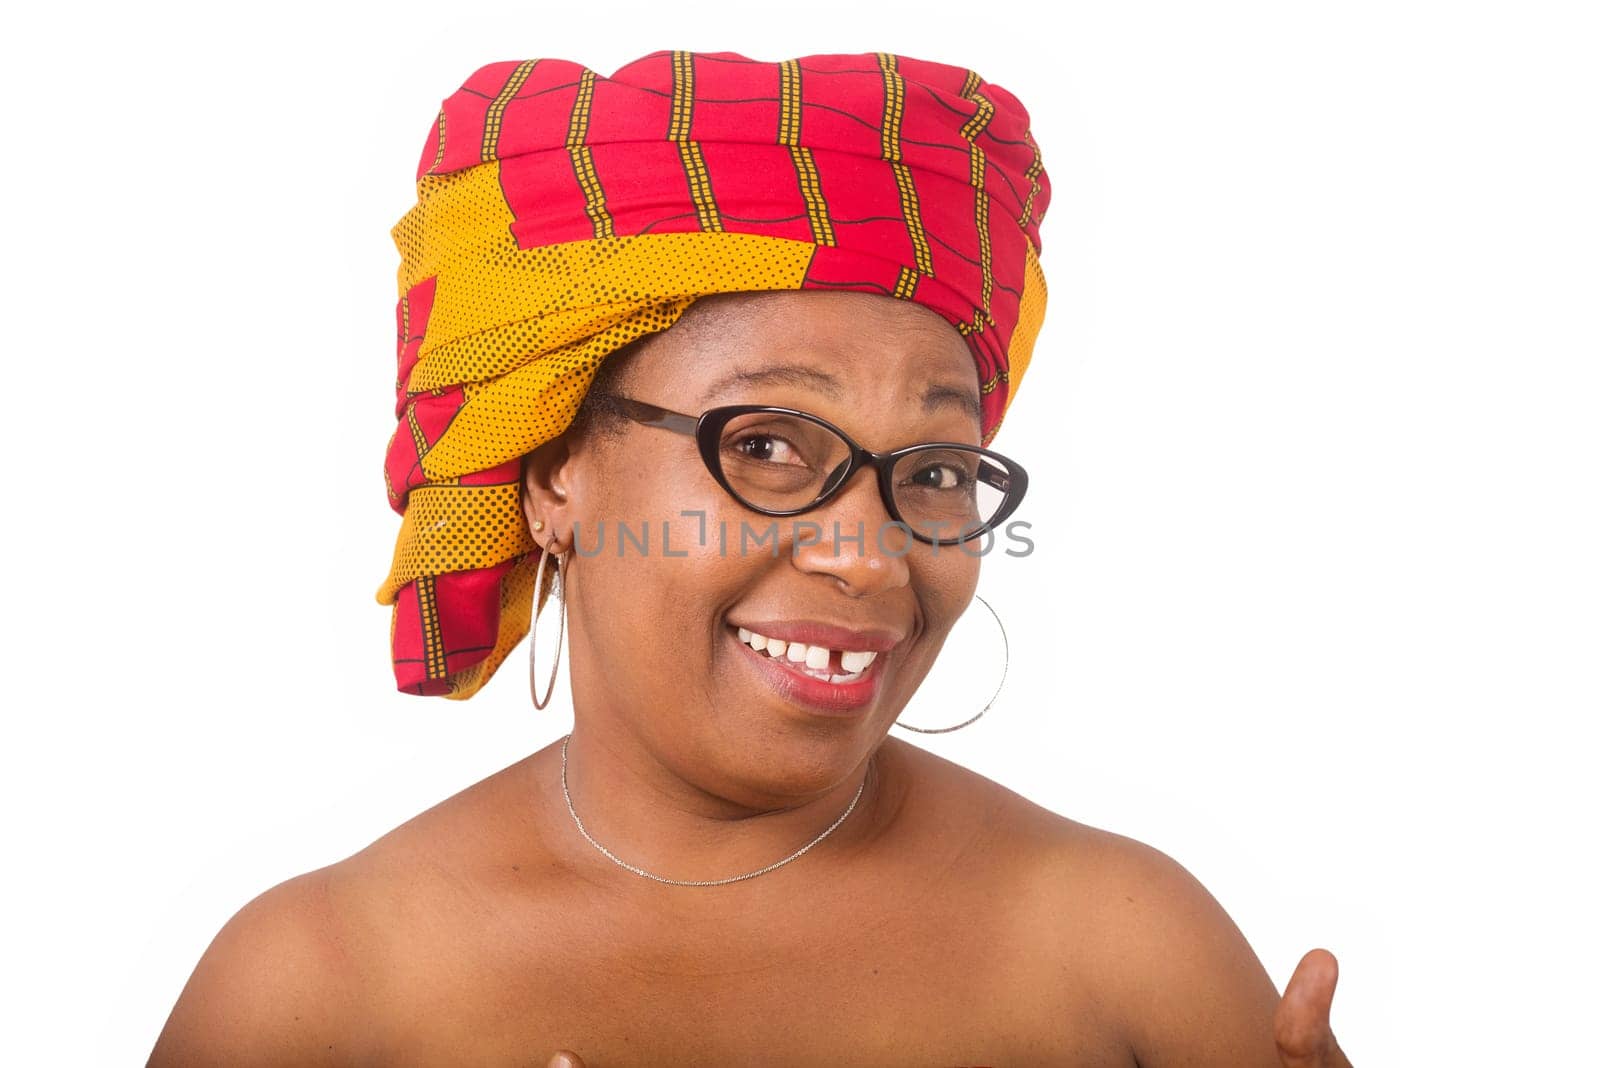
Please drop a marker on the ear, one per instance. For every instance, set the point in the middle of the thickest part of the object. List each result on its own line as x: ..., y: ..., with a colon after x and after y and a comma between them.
x: 550, y: 476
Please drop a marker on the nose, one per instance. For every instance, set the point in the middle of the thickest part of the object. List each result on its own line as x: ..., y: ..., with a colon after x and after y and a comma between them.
x: 855, y: 543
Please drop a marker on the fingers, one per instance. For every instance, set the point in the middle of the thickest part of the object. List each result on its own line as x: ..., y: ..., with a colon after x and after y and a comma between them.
x: 565, y: 1059
x: 1301, y: 1028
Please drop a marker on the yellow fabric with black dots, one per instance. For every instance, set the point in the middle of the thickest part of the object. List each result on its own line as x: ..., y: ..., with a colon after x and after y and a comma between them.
x: 522, y: 331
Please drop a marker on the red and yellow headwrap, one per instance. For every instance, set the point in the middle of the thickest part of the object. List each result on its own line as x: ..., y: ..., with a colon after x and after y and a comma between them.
x: 561, y: 214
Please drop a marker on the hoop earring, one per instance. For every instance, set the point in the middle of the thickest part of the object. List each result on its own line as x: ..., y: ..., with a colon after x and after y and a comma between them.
x: 533, y: 628
x: 1006, y: 646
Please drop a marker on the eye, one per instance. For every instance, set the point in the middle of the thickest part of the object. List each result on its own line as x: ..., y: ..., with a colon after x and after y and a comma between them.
x: 766, y: 448
x: 940, y: 477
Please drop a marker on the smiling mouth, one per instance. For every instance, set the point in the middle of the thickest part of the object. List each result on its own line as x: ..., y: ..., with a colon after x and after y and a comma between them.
x: 839, y: 667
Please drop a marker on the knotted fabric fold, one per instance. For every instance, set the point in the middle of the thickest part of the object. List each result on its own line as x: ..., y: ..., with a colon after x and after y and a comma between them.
x: 561, y: 214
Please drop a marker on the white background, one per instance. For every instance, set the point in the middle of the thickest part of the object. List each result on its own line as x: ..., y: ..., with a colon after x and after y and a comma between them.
x: 1312, y: 423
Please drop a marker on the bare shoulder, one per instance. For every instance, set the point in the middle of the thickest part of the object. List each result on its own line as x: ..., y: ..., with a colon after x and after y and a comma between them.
x: 305, y: 972
x: 1105, y: 924
x: 280, y: 983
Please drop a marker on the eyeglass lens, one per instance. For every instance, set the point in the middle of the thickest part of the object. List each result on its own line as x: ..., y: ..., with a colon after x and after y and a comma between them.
x: 782, y: 462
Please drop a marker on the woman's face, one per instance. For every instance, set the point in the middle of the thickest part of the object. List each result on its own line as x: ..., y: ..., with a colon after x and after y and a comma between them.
x: 655, y: 649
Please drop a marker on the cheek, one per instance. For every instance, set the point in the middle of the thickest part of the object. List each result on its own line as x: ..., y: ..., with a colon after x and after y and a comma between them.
x: 945, y: 585
x: 654, y: 561
x: 659, y: 617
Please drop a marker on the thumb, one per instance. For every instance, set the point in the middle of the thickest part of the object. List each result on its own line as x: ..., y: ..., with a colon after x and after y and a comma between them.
x: 1300, y: 1026
x: 565, y: 1059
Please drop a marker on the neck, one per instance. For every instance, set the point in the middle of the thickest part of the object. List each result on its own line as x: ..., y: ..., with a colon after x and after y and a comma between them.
x: 701, y: 822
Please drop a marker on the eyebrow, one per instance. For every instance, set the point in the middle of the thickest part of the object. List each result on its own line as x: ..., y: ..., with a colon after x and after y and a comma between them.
x: 783, y: 374
x: 934, y: 398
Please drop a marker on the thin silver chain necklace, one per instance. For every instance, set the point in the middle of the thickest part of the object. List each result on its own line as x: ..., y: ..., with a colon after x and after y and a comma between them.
x: 692, y: 882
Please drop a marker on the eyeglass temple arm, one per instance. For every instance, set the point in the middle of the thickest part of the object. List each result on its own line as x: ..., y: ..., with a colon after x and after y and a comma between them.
x: 650, y: 415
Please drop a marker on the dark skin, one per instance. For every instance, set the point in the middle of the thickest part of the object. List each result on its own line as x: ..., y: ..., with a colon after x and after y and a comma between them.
x: 946, y: 921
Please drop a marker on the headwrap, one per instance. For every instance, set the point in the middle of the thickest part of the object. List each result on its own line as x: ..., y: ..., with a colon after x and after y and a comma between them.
x: 561, y: 214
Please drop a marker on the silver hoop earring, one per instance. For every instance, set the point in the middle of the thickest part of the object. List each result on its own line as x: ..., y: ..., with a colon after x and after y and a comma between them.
x: 1006, y: 645
x: 558, y: 588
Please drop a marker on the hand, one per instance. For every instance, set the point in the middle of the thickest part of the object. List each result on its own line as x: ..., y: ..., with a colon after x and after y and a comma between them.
x: 1305, y: 1039
x: 565, y: 1059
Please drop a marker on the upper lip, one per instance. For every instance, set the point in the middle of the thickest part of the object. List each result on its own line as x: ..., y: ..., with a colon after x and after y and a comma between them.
x: 827, y: 635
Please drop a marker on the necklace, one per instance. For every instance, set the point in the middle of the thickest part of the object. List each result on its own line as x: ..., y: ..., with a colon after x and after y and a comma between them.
x: 692, y: 882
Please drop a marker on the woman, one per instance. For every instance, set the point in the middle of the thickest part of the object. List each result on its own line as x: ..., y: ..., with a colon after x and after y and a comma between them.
x: 716, y: 348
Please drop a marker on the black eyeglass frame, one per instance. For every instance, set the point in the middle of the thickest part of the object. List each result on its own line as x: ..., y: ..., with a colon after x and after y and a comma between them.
x: 1009, y: 478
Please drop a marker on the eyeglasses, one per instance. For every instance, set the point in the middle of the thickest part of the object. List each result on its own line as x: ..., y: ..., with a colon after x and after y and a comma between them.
x: 784, y: 462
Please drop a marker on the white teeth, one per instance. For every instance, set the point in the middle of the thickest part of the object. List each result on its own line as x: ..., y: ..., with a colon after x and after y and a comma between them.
x: 815, y: 658
x: 856, y: 662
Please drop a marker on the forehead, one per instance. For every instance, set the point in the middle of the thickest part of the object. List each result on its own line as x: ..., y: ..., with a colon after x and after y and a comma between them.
x: 871, y: 343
